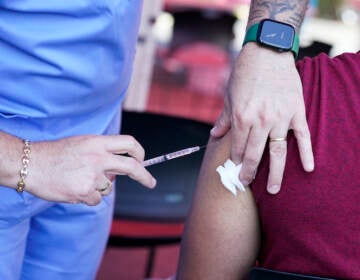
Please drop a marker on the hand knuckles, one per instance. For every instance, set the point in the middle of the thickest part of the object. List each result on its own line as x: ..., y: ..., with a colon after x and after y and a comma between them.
x: 130, y: 166
x: 267, y: 116
x: 132, y: 141
x: 251, y: 162
x: 242, y: 119
x: 86, y: 188
x: 302, y: 132
x: 94, y: 201
x: 72, y: 197
x: 91, y: 178
x: 278, y: 150
x: 85, y: 192
x: 222, y: 121
x: 98, y: 200
x: 134, y: 145
x: 247, y: 175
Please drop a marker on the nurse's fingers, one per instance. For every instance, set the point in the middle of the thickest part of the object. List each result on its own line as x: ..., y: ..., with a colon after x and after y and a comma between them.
x: 123, y: 165
x: 124, y: 144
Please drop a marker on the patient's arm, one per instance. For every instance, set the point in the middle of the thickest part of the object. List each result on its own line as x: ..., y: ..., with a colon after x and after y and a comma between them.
x: 221, y: 237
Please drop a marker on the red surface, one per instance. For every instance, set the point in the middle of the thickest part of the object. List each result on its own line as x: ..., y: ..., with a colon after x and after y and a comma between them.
x: 143, y: 229
x: 201, y: 53
x: 129, y: 263
x: 214, y: 4
x: 179, y: 101
x: 355, y: 3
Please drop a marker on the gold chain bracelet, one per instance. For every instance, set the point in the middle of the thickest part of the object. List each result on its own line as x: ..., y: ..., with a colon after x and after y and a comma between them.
x: 25, y: 163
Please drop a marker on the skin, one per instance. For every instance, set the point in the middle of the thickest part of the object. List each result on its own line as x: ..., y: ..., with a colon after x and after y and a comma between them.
x: 290, y: 11
x: 222, y: 233
x: 73, y: 169
x: 264, y: 99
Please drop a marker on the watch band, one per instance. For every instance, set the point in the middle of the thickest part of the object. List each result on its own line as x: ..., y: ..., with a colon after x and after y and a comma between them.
x: 252, y: 34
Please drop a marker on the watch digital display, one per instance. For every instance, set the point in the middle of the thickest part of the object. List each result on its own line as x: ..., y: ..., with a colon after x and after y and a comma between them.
x: 275, y: 34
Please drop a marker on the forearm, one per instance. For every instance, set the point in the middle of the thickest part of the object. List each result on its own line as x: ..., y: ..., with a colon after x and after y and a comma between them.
x: 221, y: 236
x: 288, y: 11
x: 10, y: 160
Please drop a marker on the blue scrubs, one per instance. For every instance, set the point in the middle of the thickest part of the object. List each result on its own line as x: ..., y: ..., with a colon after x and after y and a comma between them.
x: 64, y: 69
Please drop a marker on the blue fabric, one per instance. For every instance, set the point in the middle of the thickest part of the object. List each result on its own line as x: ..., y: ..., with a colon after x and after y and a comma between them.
x: 44, y: 240
x: 72, y: 239
x: 64, y: 69
x: 64, y: 65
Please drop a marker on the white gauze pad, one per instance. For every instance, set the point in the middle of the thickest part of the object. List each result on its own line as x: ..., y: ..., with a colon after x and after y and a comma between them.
x: 229, y: 176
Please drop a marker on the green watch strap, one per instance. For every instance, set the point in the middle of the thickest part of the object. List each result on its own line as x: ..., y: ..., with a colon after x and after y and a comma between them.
x: 251, y: 36
x: 295, y: 47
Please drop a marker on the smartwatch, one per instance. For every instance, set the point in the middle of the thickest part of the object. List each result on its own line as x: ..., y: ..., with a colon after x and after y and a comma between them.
x: 275, y: 35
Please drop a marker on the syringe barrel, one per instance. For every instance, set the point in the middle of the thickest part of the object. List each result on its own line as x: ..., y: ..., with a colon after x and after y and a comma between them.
x: 182, y: 152
x: 170, y: 156
x: 153, y: 161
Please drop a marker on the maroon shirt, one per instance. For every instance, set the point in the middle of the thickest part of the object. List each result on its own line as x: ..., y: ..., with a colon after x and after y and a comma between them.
x: 313, y: 225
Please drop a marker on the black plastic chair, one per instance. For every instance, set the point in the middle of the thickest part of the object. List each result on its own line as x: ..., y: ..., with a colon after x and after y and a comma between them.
x: 169, y: 202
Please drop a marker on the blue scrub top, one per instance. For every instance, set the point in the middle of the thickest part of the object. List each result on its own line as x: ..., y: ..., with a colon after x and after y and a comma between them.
x: 64, y: 65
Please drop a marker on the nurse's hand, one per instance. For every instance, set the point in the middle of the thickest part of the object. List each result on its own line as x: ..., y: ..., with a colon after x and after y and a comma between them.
x: 80, y: 169
x: 264, y: 100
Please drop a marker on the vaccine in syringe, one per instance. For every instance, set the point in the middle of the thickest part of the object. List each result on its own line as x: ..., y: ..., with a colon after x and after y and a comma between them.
x: 170, y: 156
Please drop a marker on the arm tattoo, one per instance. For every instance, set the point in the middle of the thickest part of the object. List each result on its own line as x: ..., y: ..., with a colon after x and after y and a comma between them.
x: 289, y: 11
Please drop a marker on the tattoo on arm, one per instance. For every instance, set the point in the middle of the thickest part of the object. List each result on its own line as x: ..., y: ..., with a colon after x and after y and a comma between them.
x: 289, y: 11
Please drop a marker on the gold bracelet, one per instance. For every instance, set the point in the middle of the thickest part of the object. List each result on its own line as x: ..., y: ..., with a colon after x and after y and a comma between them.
x: 25, y: 163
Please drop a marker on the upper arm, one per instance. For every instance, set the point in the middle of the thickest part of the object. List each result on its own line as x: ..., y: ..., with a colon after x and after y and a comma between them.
x: 221, y: 236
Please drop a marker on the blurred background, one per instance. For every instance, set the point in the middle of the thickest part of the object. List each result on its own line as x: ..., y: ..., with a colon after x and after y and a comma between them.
x: 190, y: 45
x: 185, y: 52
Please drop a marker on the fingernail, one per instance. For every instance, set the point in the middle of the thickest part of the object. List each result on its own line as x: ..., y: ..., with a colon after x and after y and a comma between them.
x: 255, y: 172
x: 274, y: 189
x: 310, y: 167
x: 245, y: 182
x: 153, y: 183
x: 213, y: 130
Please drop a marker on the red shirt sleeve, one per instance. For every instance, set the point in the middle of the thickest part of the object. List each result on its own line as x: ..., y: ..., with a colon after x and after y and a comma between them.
x: 312, y: 226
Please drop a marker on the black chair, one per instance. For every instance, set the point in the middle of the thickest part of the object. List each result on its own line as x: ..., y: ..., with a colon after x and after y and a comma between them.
x: 314, y: 49
x: 259, y: 273
x: 169, y: 203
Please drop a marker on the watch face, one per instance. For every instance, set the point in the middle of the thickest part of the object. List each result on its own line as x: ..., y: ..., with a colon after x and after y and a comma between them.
x: 276, y: 34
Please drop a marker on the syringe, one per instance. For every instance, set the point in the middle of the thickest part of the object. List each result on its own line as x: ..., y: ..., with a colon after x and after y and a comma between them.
x: 176, y: 154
